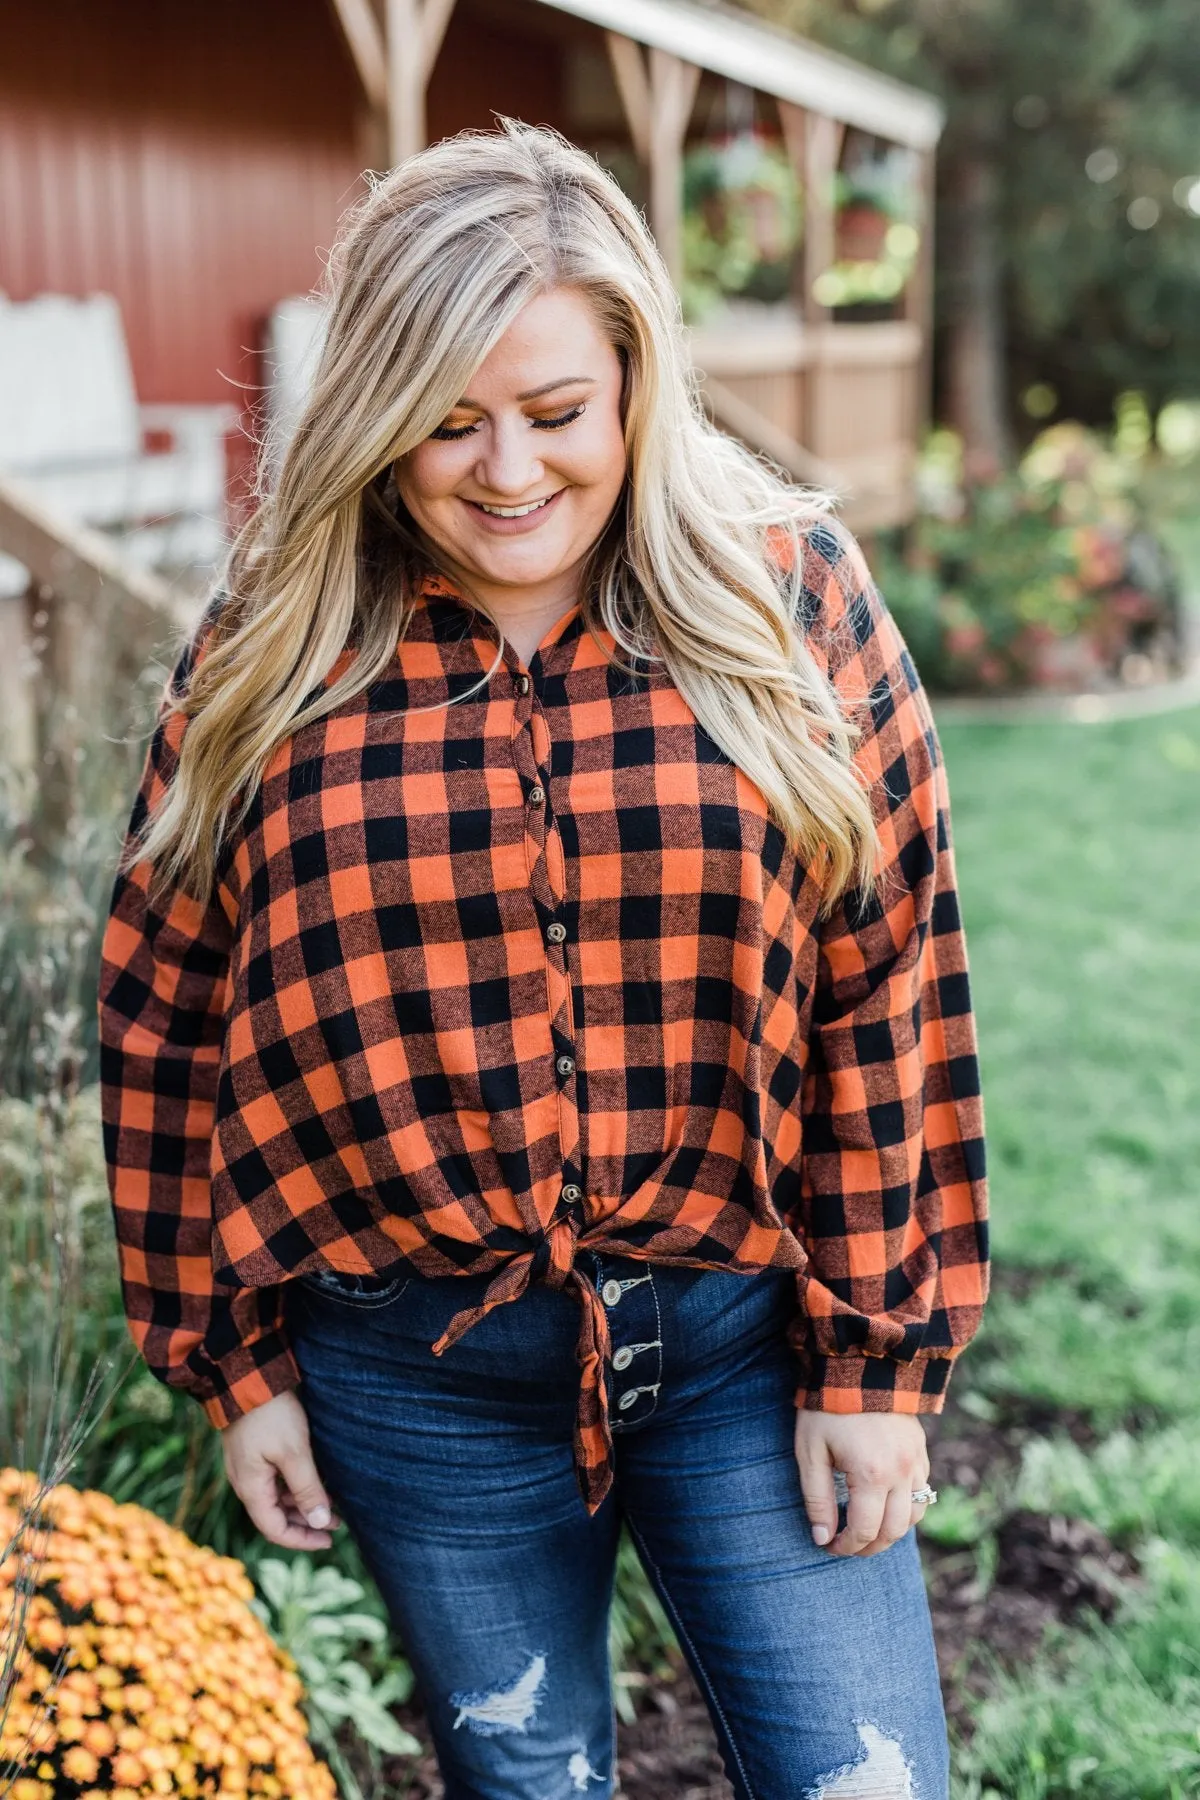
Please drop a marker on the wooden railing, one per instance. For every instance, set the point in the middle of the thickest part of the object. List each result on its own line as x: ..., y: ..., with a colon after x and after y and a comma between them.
x: 86, y: 615
x: 801, y: 393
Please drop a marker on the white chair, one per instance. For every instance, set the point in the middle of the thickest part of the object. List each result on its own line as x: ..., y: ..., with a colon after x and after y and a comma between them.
x: 72, y: 431
x: 294, y: 336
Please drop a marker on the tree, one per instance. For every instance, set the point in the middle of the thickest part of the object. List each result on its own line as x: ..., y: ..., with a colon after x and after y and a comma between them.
x: 1068, y: 194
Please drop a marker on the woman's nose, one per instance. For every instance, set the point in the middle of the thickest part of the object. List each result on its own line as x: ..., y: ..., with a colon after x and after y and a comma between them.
x: 509, y: 463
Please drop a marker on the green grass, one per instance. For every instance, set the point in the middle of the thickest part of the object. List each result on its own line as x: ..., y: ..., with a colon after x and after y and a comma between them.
x: 1076, y: 850
x: 1077, y: 857
x: 1108, y: 1713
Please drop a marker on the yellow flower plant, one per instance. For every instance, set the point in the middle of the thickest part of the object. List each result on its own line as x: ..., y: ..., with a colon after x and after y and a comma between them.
x: 170, y: 1684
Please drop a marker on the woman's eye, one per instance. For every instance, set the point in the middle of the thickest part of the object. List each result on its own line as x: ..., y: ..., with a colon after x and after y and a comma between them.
x: 449, y: 433
x: 558, y: 423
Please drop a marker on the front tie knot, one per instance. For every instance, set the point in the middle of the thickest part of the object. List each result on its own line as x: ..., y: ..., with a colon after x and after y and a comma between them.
x: 552, y: 1261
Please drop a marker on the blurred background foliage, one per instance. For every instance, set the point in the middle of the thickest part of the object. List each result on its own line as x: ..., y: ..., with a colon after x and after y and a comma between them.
x: 1068, y: 211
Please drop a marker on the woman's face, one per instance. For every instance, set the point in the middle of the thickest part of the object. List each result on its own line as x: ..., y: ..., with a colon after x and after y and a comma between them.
x: 519, y: 481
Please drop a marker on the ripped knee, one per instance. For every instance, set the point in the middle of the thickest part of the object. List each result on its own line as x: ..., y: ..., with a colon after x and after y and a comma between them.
x: 880, y: 1772
x: 511, y: 1708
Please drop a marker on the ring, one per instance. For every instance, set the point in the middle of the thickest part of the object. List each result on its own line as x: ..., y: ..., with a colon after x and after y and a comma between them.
x: 925, y: 1496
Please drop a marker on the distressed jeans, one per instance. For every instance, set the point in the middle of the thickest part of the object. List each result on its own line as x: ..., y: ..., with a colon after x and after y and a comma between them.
x: 454, y: 1474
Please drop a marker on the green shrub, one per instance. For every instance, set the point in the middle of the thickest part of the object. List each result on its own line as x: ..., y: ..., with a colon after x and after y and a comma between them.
x: 1050, y: 575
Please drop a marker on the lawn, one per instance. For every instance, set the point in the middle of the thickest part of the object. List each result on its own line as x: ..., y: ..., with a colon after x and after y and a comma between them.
x: 1076, y: 848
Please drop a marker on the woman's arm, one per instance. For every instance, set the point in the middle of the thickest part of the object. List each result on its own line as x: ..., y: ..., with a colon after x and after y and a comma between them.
x: 893, y: 1189
x: 162, y: 996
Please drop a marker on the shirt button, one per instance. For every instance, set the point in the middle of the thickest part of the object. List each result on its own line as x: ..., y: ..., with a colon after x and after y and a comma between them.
x: 536, y: 796
x: 556, y: 932
x: 610, y: 1293
x: 623, y: 1357
x: 571, y: 1192
x: 522, y: 684
x: 565, y: 1065
x: 628, y: 1399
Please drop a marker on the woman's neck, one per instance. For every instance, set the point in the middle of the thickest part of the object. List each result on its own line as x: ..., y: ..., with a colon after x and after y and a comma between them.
x: 525, y: 615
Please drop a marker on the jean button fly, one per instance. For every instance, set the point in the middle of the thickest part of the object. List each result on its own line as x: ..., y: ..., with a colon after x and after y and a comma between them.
x: 623, y: 1357
x: 628, y: 1399
x: 610, y: 1293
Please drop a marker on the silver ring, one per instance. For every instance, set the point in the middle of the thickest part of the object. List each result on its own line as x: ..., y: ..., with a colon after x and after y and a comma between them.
x: 925, y: 1496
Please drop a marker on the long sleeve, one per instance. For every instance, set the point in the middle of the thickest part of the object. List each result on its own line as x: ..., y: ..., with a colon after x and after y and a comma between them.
x: 162, y: 1000
x: 893, y: 1186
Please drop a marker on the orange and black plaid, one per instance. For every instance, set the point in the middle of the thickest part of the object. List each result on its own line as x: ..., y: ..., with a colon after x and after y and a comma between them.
x: 507, y: 959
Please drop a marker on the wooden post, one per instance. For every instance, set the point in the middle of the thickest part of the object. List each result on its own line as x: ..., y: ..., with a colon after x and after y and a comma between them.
x: 814, y: 145
x: 394, y: 66
x: 406, y: 79
x: 658, y: 104
x: 364, y: 40
x: 633, y: 85
x: 918, y: 296
x: 673, y: 86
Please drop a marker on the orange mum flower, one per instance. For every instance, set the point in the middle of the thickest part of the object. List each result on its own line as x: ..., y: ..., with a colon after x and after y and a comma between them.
x: 172, y: 1685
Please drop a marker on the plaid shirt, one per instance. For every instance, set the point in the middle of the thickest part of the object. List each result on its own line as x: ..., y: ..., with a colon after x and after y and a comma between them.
x: 481, y: 983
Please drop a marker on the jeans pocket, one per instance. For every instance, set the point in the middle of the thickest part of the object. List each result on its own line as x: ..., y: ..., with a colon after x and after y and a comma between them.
x: 364, y: 1293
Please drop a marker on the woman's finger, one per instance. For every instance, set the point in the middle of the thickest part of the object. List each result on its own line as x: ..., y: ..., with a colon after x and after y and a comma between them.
x: 864, y: 1515
x: 816, y: 1483
x: 897, y: 1517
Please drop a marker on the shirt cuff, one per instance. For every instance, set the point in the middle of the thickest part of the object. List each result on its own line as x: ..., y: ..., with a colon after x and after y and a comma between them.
x: 272, y: 1370
x: 857, y: 1384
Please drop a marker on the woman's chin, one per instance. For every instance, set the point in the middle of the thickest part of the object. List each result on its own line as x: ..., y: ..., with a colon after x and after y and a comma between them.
x: 516, y: 569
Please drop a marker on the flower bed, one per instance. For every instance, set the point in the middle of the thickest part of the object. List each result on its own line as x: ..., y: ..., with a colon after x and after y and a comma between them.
x: 167, y: 1682
x: 1050, y: 577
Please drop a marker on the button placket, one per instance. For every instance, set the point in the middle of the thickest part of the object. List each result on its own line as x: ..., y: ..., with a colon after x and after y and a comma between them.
x: 547, y: 885
x: 635, y: 1320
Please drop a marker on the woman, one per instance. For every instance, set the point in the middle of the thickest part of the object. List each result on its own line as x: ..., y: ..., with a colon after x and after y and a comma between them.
x: 537, y: 932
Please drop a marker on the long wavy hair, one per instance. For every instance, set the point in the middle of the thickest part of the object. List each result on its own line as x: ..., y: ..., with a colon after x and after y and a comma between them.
x: 700, y: 565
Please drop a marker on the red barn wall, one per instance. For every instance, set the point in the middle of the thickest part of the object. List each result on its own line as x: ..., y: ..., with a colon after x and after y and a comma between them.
x: 489, y: 64
x: 190, y: 159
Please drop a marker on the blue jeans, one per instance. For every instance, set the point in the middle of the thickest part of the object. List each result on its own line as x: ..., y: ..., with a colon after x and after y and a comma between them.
x: 454, y: 1474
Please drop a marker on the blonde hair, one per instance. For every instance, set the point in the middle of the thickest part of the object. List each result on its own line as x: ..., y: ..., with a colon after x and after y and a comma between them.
x: 430, y: 270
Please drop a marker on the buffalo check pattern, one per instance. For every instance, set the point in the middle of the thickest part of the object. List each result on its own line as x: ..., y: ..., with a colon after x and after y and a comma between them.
x: 508, y: 959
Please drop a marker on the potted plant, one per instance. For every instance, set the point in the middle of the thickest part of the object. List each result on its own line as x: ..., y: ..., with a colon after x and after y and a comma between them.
x: 872, y: 194
x: 741, y: 226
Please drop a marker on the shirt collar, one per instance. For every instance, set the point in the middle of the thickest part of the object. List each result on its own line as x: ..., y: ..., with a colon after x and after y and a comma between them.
x: 451, y: 618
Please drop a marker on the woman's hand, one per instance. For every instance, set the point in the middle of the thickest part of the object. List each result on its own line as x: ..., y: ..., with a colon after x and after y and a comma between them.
x: 269, y: 1462
x: 884, y: 1457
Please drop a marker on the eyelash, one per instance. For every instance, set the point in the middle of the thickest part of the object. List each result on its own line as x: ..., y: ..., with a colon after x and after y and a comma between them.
x: 451, y: 433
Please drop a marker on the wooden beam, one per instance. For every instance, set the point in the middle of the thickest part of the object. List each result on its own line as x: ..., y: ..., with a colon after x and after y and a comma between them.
x: 673, y: 86
x: 415, y: 32
x: 435, y: 16
x: 633, y: 85
x: 364, y: 40
x: 406, y: 78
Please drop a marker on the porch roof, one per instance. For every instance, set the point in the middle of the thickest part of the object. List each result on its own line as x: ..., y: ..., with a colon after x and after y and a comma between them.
x: 732, y: 43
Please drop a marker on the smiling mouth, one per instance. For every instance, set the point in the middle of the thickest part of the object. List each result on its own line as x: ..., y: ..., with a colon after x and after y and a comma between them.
x: 514, y: 512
